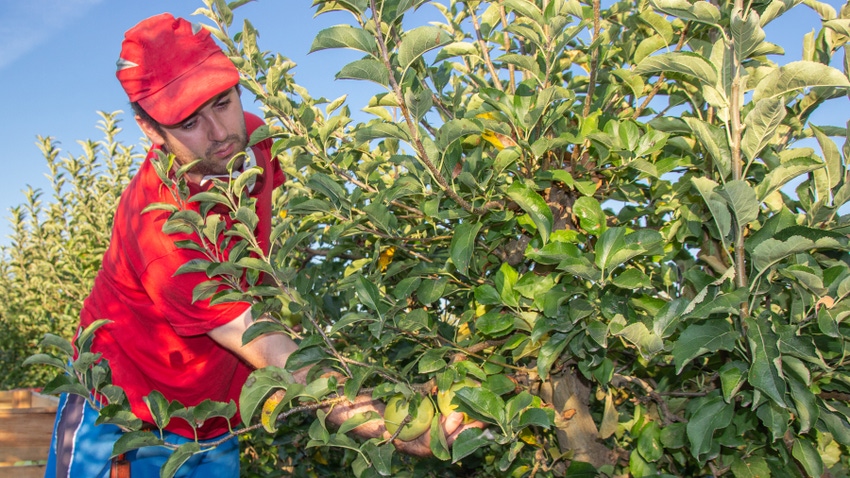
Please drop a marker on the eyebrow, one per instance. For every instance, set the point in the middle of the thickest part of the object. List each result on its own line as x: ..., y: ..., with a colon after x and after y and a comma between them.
x: 214, y: 100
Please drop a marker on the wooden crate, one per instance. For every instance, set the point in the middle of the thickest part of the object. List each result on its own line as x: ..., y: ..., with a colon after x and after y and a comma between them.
x: 26, y: 427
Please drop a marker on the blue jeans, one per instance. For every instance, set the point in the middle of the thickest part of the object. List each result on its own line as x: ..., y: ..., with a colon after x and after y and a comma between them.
x: 82, y: 449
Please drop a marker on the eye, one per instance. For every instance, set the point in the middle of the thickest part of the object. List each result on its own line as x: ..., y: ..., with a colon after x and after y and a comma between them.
x: 223, y: 104
x: 189, y: 124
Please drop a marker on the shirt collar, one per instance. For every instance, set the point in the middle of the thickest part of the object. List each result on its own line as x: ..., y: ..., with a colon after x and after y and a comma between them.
x: 250, y: 161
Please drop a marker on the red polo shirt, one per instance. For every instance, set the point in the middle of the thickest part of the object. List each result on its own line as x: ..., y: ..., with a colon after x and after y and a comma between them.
x: 157, y: 338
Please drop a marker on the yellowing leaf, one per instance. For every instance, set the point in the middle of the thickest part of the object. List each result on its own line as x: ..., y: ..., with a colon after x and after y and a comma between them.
x: 386, y: 258
x: 463, y: 331
x: 490, y: 115
x: 319, y: 458
x: 528, y: 437
x: 268, y: 417
x: 500, y: 141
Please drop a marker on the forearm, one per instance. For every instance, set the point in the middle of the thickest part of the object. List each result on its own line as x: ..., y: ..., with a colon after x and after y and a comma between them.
x: 267, y: 349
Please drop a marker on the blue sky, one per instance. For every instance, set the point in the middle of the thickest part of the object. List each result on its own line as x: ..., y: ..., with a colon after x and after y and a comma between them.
x: 57, y: 69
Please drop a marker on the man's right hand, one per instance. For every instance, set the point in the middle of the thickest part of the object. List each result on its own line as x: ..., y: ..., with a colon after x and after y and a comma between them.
x: 452, y: 425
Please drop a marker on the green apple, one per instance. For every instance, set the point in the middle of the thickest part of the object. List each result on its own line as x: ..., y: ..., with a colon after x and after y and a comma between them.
x: 288, y: 317
x: 397, y: 410
x: 444, y: 397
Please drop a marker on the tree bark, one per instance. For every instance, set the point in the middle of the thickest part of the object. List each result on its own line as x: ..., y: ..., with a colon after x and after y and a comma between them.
x: 577, y: 432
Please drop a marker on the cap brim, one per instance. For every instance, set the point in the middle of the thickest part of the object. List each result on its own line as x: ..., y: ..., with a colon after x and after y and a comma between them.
x: 183, y: 96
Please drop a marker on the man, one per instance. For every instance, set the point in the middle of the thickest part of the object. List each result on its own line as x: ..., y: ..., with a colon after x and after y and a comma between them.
x: 184, y: 92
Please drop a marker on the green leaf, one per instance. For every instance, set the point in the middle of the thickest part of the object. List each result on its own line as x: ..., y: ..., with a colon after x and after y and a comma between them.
x: 699, y: 339
x: 415, y: 42
x: 747, y: 34
x: 833, y: 172
x: 771, y: 251
x: 133, y: 440
x: 742, y: 200
x: 256, y: 264
x: 379, y: 215
x: 774, y: 418
x: 686, y: 63
x: 432, y: 360
x: 702, y: 12
x: 805, y: 401
x: 647, y: 342
x: 455, y: 129
x: 468, y: 442
x: 56, y: 341
x: 482, y: 404
x: 632, y: 279
x: 765, y: 360
x: 325, y: 185
x: 205, y: 290
x: 614, y: 248
x: 210, y: 409
x: 533, y: 203
x: 591, y: 216
x: 495, y: 323
x: 761, y: 125
x: 799, y: 75
x: 258, y: 385
x: 789, y: 169
x: 752, y: 466
x: 345, y: 36
x: 159, y: 407
x: 716, y: 204
x: 806, y: 453
x: 368, y: 293
x: 550, y: 351
x: 732, y: 377
x: 715, y: 143
x: 381, y: 131
x: 580, y: 469
x: 359, y: 419
x: 538, y: 417
x: 431, y: 290
x: 178, y: 457
x: 64, y: 384
x: 44, y: 359
x: 463, y: 245
x: 380, y: 456
x: 525, y: 9
x: 708, y: 414
x: 368, y: 69
x: 649, y: 442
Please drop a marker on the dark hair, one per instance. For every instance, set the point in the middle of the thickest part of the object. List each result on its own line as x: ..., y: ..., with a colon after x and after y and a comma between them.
x: 144, y: 116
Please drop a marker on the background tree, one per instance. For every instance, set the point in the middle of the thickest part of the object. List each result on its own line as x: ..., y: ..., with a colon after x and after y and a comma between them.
x: 586, y: 210
x: 56, y: 247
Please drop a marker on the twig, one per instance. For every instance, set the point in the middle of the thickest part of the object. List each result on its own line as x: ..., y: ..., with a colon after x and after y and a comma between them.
x: 414, y: 131
x: 667, y: 417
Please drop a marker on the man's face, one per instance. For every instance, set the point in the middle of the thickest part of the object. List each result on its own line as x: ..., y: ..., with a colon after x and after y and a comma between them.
x: 214, y: 134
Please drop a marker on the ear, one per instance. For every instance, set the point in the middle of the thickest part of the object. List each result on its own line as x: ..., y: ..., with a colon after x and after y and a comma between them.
x: 151, y: 131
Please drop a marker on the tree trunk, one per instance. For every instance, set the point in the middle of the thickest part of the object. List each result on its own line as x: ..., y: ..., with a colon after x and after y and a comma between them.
x: 577, y: 431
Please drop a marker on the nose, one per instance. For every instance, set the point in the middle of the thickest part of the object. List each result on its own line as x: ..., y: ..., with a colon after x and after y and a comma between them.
x: 216, y: 131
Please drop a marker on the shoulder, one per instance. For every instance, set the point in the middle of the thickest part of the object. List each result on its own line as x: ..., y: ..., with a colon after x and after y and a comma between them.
x: 263, y: 149
x: 252, y: 122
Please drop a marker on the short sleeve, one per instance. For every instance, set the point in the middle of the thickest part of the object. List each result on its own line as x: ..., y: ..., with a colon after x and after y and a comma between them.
x: 172, y: 296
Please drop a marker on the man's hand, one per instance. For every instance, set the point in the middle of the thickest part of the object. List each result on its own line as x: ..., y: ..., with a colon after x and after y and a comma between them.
x: 452, y: 425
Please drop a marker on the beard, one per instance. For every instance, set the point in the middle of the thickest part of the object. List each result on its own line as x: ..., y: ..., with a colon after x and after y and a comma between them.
x: 209, y: 164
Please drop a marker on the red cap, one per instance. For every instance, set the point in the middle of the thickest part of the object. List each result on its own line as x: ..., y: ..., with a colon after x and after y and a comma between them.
x: 171, y: 67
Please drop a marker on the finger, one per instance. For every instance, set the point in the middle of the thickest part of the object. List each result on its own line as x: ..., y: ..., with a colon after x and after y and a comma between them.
x: 450, y: 438
x: 451, y: 422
